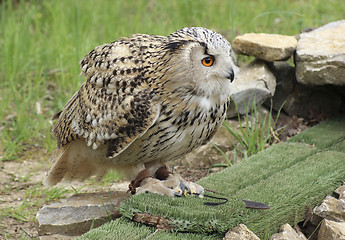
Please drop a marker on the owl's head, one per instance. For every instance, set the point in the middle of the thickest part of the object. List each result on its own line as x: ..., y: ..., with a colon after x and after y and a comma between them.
x: 201, y: 58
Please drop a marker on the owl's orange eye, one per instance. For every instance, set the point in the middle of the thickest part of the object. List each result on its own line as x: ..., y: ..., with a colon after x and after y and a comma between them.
x: 207, y: 61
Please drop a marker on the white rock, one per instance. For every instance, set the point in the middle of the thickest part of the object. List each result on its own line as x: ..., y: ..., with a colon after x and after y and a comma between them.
x: 241, y: 232
x: 287, y: 233
x: 331, y: 230
x: 331, y: 209
x: 320, y: 55
x: 268, y: 47
x: 254, y: 82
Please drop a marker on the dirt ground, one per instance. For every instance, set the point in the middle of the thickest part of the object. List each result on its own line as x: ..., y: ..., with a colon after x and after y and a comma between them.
x: 22, y: 193
x: 16, y: 178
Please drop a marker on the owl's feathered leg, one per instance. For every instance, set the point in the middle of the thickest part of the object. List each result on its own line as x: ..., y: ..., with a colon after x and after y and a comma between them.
x: 167, y: 183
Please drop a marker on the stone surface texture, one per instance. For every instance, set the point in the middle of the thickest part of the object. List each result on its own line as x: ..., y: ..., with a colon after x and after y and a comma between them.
x: 304, y: 101
x: 331, y: 230
x: 285, y: 82
x: 340, y: 192
x: 268, y: 47
x: 312, y: 102
x: 320, y: 55
x: 75, y: 215
x: 288, y: 233
x: 254, y: 82
x: 241, y: 232
x: 57, y: 237
x: 332, y: 209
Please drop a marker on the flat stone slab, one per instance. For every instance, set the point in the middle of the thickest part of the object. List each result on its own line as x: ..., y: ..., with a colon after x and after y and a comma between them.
x: 75, y: 215
x: 320, y: 55
x: 268, y: 47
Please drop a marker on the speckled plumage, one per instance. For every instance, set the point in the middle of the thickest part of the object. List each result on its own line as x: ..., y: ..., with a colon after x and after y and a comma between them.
x: 146, y: 100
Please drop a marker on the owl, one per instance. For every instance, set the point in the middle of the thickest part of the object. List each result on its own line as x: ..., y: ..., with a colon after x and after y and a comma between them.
x: 146, y: 100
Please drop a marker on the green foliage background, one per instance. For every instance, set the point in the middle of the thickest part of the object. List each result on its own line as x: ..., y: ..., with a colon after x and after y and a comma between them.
x: 41, y: 43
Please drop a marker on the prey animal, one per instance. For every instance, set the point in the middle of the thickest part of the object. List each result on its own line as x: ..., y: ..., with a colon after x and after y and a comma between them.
x: 146, y: 100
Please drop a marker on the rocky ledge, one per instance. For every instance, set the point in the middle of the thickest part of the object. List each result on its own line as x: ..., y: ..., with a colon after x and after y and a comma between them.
x: 310, y: 86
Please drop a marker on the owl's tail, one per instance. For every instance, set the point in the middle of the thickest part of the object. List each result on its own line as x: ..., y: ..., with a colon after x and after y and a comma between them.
x: 58, y: 168
x: 75, y: 161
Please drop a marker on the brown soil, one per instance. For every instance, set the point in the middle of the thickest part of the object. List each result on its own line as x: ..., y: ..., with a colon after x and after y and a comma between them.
x: 16, y: 178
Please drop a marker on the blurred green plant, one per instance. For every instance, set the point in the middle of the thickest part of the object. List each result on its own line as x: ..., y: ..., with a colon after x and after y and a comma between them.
x: 257, y: 130
x: 41, y: 43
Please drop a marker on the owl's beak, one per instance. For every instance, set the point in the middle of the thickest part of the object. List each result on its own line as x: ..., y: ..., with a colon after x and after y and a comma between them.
x: 231, y: 75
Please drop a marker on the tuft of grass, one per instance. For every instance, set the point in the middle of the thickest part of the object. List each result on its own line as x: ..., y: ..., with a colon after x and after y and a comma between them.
x: 256, y: 132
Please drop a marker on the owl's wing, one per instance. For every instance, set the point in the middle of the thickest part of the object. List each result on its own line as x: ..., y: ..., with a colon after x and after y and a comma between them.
x: 115, y: 105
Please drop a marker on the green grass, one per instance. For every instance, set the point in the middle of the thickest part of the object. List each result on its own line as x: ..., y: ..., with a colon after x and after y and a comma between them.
x: 41, y: 43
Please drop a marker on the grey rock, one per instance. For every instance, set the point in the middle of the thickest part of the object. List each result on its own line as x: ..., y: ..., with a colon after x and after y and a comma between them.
x: 286, y: 232
x: 254, y: 82
x: 286, y: 81
x: 268, y: 47
x: 301, y: 100
x: 331, y: 209
x: 320, y: 55
x: 75, y: 215
x: 312, y: 102
x: 331, y: 230
x: 57, y: 237
x: 241, y: 232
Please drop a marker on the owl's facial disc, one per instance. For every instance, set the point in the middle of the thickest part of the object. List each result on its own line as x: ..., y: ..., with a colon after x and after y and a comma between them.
x: 211, y: 64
